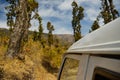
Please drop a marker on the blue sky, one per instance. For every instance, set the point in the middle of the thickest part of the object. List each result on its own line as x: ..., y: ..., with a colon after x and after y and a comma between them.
x: 59, y: 13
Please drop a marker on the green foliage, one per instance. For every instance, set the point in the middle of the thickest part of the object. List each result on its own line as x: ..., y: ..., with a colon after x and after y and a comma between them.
x: 11, y: 13
x: 35, y: 35
x: 40, y: 28
x: 53, y: 55
x: 32, y: 5
x: 3, y: 38
x: 38, y: 36
x: 94, y: 26
x: 77, y: 16
x: 50, y: 27
x: 108, y: 11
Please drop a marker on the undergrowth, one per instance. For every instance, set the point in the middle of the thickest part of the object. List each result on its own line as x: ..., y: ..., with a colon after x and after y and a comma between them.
x: 39, y: 63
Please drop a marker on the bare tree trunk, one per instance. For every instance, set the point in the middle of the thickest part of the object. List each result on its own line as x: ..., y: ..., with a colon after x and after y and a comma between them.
x: 21, y: 25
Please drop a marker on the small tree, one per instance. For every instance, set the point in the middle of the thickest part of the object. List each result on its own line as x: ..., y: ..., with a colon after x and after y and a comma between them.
x: 50, y: 27
x: 77, y: 16
x: 40, y: 28
x: 95, y: 26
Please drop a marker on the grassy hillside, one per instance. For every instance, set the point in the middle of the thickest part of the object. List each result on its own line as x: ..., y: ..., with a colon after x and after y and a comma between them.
x: 66, y: 38
x: 35, y: 62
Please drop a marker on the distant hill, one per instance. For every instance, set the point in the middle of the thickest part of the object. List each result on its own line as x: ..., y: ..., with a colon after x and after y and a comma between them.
x: 4, y: 31
x: 63, y: 38
x: 67, y: 38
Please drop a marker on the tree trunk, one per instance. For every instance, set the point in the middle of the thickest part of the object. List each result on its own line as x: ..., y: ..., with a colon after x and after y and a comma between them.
x: 21, y: 25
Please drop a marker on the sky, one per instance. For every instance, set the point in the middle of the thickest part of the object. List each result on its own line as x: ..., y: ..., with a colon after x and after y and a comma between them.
x: 59, y: 13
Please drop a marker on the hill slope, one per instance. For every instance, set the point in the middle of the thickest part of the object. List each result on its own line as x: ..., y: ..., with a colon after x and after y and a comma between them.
x: 63, y: 38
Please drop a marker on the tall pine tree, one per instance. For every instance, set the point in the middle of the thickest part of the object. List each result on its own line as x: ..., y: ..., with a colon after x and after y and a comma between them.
x: 77, y: 16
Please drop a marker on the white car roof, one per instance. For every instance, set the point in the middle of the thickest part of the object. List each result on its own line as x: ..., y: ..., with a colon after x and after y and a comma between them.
x: 105, y: 40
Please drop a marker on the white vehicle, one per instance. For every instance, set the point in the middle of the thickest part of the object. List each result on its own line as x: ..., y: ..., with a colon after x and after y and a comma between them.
x: 94, y: 57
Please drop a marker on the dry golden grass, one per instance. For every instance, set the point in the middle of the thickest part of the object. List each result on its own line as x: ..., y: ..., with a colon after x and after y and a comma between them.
x: 31, y: 68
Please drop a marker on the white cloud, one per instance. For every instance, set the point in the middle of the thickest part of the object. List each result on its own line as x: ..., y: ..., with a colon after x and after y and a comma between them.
x: 91, y: 3
x: 66, y: 5
x: 2, y: 7
x: 34, y: 25
x: 62, y: 30
x: 60, y: 27
x: 55, y: 8
x: 3, y: 24
x: 48, y: 13
x: 101, y: 22
x: 51, y: 2
x: 116, y: 2
x: 117, y: 5
x: 91, y: 14
x: 59, y: 11
x: 55, y: 13
x: 91, y: 9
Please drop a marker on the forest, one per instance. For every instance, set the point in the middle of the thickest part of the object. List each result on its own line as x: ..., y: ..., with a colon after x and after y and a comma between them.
x: 35, y: 55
